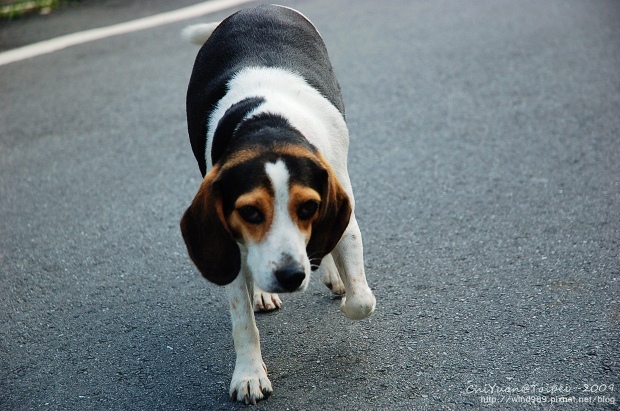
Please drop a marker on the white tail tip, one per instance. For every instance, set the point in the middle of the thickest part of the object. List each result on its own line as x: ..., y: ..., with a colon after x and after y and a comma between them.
x: 199, y: 33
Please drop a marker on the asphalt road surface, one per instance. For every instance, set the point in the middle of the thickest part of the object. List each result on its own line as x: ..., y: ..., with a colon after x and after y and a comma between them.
x: 486, y: 164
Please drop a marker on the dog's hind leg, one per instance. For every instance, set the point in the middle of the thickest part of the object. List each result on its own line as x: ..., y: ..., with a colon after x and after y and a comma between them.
x: 331, y: 277
x: 359, y: 302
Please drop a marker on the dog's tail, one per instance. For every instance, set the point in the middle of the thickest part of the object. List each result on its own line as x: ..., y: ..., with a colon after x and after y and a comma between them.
x: 199, y: 33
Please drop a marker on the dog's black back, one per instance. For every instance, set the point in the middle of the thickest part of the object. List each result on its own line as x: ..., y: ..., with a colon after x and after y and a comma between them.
x: 265, y: 36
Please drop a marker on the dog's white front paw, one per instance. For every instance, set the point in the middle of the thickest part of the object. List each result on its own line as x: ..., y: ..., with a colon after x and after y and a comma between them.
x: 264, y: 301
x: 250, y: 384
x: 358, y: 305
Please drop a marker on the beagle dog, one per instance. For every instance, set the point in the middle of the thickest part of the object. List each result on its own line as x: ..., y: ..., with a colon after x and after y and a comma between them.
x: 266, y: 124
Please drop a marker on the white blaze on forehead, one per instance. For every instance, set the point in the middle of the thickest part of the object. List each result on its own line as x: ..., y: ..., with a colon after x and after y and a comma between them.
x: 278, y: 174
x: 283, y: 230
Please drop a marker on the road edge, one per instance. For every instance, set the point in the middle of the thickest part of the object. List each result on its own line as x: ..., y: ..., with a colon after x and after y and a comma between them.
x: 81, y: 37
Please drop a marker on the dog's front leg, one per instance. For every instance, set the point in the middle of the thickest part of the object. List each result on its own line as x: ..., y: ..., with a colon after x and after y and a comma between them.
x: 358, y: 302
x: 249, y: 382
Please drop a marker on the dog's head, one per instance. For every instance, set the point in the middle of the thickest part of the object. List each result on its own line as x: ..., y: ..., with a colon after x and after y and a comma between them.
x: 283, y: 206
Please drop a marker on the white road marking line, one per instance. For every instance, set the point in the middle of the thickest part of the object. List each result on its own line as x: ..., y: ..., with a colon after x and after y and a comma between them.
x: 59, y: 43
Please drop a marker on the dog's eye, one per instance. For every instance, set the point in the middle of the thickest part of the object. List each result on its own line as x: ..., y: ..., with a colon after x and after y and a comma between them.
x: 307, y: 209
x: 251, y: 214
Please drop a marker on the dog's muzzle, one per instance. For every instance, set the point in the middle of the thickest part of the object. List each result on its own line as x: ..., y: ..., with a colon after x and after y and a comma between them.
x: 290, y: 274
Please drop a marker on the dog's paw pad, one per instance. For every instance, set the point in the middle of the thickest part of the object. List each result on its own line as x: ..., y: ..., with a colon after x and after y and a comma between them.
x: 265, y: 302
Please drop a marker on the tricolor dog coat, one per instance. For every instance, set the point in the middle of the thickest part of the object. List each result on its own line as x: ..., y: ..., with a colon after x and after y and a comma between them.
x: 267, y: 126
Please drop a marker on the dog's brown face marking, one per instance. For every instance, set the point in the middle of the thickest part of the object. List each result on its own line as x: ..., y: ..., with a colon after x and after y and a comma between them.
x: 252, y: 216
x: 303, y: 208
x: 254, y: 211
x: 246, y: 155
x: 249, y: 202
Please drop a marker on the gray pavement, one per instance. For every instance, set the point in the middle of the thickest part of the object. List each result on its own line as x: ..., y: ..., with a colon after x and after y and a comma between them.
x: 78, y: 15
x: 486, y: 164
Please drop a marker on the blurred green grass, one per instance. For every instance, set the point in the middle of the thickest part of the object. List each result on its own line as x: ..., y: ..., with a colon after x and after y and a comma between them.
x: 10, y: 9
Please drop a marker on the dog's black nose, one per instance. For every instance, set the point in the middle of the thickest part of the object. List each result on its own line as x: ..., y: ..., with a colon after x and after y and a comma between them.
x: 290, y: 278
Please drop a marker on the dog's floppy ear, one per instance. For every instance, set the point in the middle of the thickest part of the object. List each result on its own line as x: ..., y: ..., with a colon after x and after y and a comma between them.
x: 209, y: 244
x: 334, y: 215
